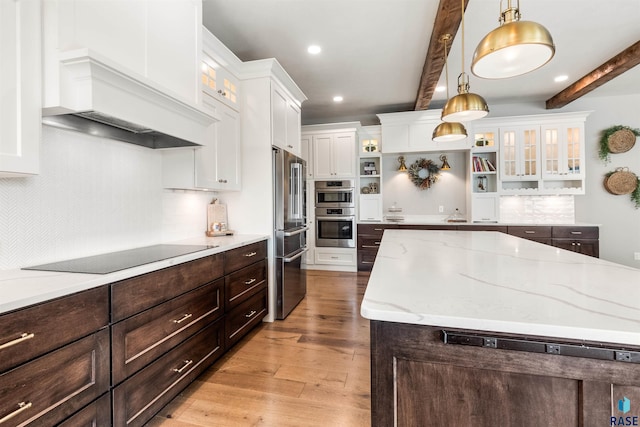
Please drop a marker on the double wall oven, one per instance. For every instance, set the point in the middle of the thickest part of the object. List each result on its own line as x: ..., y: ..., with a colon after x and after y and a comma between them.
x: 335, y: 214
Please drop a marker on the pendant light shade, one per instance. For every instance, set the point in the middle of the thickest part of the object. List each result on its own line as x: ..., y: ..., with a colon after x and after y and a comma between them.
x: 514, y: 48
x: 465, y: 106
x: 448, y: 132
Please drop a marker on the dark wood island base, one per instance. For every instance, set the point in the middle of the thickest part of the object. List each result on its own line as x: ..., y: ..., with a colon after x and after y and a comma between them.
x: 418, y: 380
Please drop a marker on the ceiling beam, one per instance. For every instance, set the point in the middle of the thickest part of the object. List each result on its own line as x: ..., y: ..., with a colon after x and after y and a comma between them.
x: 447, y: 21
x: 624, y: 61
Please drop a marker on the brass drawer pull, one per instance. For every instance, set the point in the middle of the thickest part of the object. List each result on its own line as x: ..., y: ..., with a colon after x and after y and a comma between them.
x: 183, y: 318
x: 250, y: 282
x: 250, y: 314
x: 576, y: 232
x: 186, y: 364
x: 250, y: 254
x: 23, y: 337
x: 367, y: 262
x: 22, y: 406
x: 529, y: 232
x: 370, y: 246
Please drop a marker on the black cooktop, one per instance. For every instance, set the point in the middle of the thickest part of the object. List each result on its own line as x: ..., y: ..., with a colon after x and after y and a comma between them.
x: 121, y: 260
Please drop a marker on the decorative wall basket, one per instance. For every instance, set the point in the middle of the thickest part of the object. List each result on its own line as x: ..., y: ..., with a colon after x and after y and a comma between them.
x: 617, y: 139
x: 621, y: 182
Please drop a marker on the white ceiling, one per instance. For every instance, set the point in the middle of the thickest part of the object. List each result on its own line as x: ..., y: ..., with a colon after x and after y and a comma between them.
x: 374, y: 50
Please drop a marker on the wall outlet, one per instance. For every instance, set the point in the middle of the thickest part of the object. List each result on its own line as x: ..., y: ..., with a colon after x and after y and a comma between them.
x: 636, y: 256
x: 441, y: 209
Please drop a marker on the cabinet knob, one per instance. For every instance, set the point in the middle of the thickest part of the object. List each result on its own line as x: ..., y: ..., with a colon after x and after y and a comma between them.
x: 222, y: 93
x: 223, y: 181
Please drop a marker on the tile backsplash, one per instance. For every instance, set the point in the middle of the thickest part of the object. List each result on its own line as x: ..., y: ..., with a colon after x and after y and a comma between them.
x: 92, y: 196
x: 537, y: 209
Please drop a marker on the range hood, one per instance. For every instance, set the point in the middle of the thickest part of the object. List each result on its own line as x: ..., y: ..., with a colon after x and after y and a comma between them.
x: 97, y: 97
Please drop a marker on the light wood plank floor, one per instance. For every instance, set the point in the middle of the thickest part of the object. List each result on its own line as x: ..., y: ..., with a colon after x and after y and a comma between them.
x: 311, y: 369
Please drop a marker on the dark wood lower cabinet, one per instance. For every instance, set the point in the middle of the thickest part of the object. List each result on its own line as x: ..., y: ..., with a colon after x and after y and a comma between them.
x: 418, y: 380
x: 49, y: 389
x: 96, y: 414
x: 141, y: 396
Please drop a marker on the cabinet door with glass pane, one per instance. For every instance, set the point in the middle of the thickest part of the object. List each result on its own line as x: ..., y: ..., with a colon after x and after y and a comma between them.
x: 520, y: 153
x: 562, y: 151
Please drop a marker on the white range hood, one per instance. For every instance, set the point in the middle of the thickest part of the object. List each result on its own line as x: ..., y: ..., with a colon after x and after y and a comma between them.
x: 91, y: 94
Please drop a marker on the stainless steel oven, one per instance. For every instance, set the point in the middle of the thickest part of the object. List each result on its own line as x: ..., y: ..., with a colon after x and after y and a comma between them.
x: 335, y: 194
x: 336, y: 227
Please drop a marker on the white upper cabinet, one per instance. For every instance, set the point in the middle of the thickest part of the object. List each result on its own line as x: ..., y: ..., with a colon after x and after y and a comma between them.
x: 20, y: 103
x: 334, y: 155
x: 520, y: 153
x: 562, y: 151
x: 412, y: 131
x: 285, y: 117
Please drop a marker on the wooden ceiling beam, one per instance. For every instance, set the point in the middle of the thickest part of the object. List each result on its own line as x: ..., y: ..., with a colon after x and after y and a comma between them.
x: 447, y: 21
x: 624, y: 61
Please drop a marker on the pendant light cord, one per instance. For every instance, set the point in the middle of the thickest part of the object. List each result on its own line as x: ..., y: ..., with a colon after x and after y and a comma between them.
x: 462, y: 12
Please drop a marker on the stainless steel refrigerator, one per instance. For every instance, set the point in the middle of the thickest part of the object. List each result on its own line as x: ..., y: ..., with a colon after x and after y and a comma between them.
x: 290, y: 226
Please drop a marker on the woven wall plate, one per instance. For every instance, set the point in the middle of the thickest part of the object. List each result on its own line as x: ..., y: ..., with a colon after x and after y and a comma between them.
x: 621, y: 182
x: 621, y: 141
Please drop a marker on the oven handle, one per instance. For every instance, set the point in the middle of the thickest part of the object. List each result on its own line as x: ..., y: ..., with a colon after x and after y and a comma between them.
x: 298, y: 231
x: 335, y: 190
x: 336, y: 218
x: 296, y: 256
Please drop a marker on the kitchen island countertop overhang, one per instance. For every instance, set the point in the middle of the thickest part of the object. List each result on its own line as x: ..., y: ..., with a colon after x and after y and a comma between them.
x: 492, y: 282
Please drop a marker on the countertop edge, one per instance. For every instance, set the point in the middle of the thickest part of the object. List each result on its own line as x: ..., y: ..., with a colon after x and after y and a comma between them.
x: 23, y: 288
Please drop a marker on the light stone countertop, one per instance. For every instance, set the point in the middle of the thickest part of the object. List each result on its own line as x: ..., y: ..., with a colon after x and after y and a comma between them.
x: 490, y: 281
x: 21, y: 288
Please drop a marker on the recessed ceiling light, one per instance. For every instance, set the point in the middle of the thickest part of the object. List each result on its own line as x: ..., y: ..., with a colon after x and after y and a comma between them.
x: 561, y: 78
x: 314, y: 49
x: 441, y: 88
x: 337, y: 98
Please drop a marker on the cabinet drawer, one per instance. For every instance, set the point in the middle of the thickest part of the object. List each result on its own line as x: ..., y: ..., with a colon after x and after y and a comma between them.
x: 245, y: 316
x: 236, y: 259
x: 244, y: 283
x: 139, y: 293
x: 96, y: 414
x: 31, y: 332
x: 334, y: 256
x: 140, y: 339
x: 570, y: 232
x: 532, y: 232
x: 49, y: 389
x: 140, y: 397
x: 367, y: 242
x: 366, y: 260
x: 373, y: 229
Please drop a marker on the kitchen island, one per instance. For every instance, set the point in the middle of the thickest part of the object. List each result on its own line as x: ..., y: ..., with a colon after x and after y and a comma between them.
x: 472, y: 328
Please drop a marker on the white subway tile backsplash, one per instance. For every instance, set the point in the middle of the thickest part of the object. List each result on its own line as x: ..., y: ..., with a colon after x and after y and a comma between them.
x: 537, y: 209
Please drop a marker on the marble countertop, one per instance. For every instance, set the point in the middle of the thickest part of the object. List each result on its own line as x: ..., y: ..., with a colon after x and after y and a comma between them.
x: 21, y: 288
x: 490, y: 281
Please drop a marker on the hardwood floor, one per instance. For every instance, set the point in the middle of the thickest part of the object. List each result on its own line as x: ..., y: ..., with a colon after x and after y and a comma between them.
x: 312, y: 369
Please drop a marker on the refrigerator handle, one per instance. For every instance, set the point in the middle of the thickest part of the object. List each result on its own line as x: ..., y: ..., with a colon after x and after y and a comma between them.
x: 296, y: 191
x: 297, y: 231
x: 296, y: 256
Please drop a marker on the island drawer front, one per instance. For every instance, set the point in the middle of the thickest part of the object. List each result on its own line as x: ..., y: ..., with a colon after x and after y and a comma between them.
x: 95, y: 414
x: 49, y: 389
x: 235, y: 259
x: 139, y: 293
x: 374, y: 229
x: 243, y: 283
x: 141, y: 396
x: 532, y: 232
x: 245, y: 316
x: 31, y: 332
x: 140, y: 339
x: 569, y: 232
x: 369, y: 243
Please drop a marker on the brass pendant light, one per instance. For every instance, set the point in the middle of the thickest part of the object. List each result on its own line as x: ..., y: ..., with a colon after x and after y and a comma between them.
x: 448, y: 131
x: 514, y: 48
x: 465, y: 106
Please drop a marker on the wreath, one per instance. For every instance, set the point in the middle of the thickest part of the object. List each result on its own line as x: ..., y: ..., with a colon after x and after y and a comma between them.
x: 610, y: 135
x: 424, y: 173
